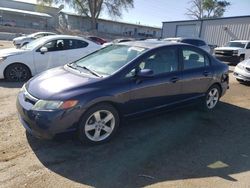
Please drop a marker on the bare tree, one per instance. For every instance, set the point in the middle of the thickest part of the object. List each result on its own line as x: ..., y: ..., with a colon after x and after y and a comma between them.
x: 196, y: 11
x: 93, y: 8
x: 207, y: 8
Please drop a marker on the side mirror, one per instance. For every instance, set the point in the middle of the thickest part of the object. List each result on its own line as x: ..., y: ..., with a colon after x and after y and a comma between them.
x: 145, y: 73
x: 43, y: 50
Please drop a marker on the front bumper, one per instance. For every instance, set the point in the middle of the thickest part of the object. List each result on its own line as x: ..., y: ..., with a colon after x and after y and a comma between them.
x: 241, y: 74
x: 45, y: 124
x: 231, y: 59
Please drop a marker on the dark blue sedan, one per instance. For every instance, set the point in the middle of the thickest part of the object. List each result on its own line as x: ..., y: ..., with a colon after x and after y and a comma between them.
x: 91, y: 95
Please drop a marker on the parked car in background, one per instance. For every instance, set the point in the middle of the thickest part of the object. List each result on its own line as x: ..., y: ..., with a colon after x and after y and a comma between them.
x: 235, y: 51
x: 43, y: 54
x: 116, y: 41
x: 97, y: 40
x: 9, y: 23
x: 242, y: 71
x: 93, y: 94
x: 193, y: 41
x: 23, y: 40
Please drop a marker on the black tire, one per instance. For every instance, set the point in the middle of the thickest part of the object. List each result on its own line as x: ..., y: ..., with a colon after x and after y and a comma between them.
x: 17, y: 72
x: 208, y: 97
x: 88, y: 137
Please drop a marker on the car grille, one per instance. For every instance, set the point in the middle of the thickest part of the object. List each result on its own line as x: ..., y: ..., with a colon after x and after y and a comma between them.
x: 248, y: 69
x: 224, y: 52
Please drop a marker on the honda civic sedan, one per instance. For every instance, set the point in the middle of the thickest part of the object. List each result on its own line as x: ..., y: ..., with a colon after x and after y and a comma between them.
x: 93, y: 94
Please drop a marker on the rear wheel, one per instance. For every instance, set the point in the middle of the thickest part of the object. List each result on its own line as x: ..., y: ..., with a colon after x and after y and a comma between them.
x: 17, y: 73
x: 99, y: 124
x: 212, y: 97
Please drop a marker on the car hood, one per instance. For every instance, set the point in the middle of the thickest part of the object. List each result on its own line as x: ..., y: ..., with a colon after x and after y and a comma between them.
x: 11, y: 51
x: 245, y: 63
x: 21, y: 38
x: 228, y: 48
x: 58, y: 84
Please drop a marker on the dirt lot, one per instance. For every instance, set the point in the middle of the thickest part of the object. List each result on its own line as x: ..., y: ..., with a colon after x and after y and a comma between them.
x: 183, y: 148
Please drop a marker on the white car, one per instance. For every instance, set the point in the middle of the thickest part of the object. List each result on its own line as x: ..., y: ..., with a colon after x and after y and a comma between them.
x: 42, y: 54
x: 242, y: 71
x: 234, y: 51
x: 193, y: 41
x: 23, y: 40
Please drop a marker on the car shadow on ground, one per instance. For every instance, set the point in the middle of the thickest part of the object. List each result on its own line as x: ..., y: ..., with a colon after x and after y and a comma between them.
x: 182, y: 144
x: 6, y: 84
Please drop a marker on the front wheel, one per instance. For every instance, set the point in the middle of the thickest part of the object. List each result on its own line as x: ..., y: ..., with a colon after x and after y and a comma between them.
x: 212, y: 97
x: 17, y: 72
x: 98, y: 124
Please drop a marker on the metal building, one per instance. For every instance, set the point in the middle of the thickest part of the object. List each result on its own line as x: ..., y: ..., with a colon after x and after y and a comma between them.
x: 217, y: 31
x: 83, y: 23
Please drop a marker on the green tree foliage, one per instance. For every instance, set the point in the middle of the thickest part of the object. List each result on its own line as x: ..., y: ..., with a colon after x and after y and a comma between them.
x: 93, y: 8
x: 207, y: 8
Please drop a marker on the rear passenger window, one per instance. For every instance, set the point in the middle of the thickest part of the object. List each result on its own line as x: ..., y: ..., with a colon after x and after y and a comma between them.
x: 193, y: 59
x: 80, y: 44
x: 74, y: 44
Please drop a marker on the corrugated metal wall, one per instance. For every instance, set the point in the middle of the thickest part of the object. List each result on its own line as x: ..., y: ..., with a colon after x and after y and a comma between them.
x: 214, y: 31
x: 221, y: 31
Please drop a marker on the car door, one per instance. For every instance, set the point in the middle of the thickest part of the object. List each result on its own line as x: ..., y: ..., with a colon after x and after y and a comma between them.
x: 160, y: 90
x: 197, y: 73
x: 55, y: 56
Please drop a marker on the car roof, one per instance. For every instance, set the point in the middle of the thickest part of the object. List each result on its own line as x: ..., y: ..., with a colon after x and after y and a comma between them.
x: 182, y: 38
x: 148, y: 44
x: 240, y: 41
x: 42, y: 32
x: 63, y: 37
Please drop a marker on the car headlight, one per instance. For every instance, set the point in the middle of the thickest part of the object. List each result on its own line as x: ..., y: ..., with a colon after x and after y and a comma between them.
x: 45, y: 105
x: 240, y: 66
x: 235, y: 52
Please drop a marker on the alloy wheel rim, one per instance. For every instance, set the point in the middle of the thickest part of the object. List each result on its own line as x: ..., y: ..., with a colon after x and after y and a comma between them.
x: 18, y: 73
x: 212, y: 98
x: 99, y: 125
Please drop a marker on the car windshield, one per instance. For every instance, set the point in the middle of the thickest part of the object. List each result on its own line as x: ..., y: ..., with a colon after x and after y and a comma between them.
x: 110, y: 59
x: 236, y: 44
x: 33, y: 44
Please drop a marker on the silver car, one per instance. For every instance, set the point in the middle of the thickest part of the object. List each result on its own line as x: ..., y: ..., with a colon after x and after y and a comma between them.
x: 242, y: 71
x: 193, y: 41
x: 23, y: 40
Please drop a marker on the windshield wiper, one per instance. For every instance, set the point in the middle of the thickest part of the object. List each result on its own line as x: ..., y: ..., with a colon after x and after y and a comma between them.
x: 91, y: 71
x: 75, y: 66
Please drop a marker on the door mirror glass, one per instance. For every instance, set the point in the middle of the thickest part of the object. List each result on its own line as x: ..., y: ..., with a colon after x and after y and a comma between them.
x: 145, y: 73
x: 43, y: 50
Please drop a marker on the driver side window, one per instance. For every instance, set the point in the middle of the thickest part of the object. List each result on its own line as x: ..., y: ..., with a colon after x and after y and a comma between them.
x: 54, y: 45
x: 162, y: 61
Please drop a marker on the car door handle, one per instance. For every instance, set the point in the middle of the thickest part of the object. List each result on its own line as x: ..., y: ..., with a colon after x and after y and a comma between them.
x: 206, y: 73
x: 174, y: 79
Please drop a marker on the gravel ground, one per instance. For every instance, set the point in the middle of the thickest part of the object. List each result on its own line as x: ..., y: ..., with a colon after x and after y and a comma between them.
x: 182, y: 148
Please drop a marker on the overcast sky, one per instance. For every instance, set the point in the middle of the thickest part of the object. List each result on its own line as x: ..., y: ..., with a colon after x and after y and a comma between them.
x: 153, y: 12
